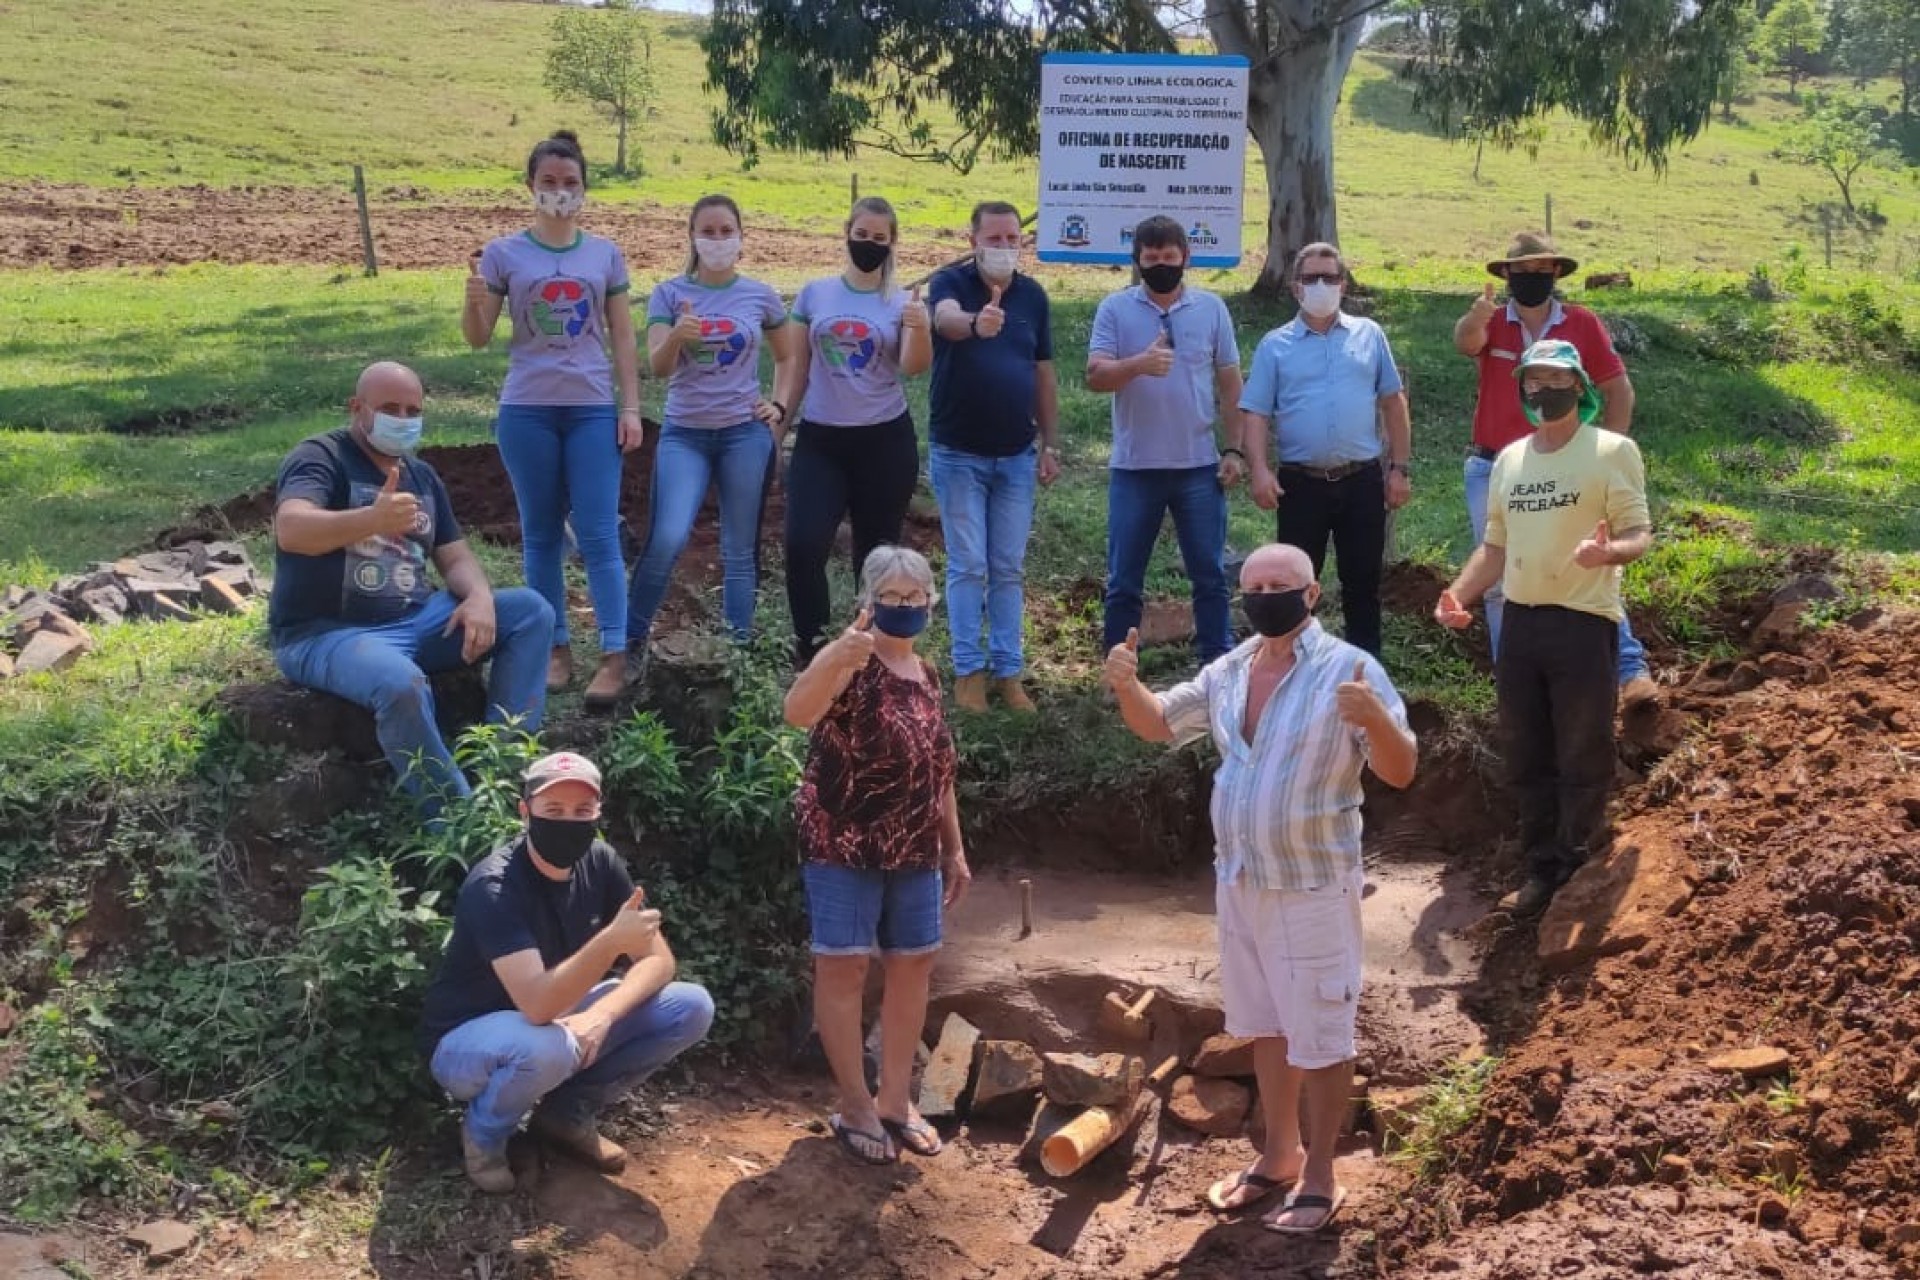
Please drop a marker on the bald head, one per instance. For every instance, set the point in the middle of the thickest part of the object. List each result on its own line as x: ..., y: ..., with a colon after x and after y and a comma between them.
x: 1276, y: 567
x: 388, y: 381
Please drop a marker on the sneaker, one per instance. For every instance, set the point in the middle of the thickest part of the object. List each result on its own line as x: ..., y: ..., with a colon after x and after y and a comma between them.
x: 487, y: 1170
x: 1530, y: 898
x: 1014, y: 694
x: 580, y: 1140
x: 970, y: 692
x: 559, y: 668
x: 609, y: 678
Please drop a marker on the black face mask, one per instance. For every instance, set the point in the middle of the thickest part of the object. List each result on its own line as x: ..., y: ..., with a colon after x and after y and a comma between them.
x: 1274, y: 613
x: 868, y: 255
x: 560, y: 841
x: 1550, y: 404
x: 1531, y: 288
x: 1163, y: 277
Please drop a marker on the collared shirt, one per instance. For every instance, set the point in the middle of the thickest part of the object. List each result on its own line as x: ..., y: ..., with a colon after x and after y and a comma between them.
x: 1166, y: 422
x: 1286, y: 808
x: 1322, y: 390
x: 983, y: 395
x: 1498, y: 416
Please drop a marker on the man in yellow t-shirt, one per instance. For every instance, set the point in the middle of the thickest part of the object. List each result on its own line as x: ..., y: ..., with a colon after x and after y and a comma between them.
x: 1566, y: 508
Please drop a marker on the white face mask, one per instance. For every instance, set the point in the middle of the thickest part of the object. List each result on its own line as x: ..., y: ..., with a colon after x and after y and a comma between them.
x: 717, y: 255
x: 559, y: 202
x: 1320, y: 300
x: 997, y: 264
x: 393, y: 436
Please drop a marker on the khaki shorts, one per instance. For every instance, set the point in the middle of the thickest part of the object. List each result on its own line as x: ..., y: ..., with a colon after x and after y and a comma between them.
x: 1290, y: 966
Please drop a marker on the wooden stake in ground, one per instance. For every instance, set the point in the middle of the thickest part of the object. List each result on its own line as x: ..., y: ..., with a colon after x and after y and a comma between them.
x: 1026, y: 908
x: 366, y: 223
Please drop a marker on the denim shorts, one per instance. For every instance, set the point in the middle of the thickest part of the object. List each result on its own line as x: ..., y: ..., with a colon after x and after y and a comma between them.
x: 853, y: 910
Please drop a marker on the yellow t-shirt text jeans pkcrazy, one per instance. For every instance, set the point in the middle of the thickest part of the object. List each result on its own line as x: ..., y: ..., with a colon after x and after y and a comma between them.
x: 1541, y: 506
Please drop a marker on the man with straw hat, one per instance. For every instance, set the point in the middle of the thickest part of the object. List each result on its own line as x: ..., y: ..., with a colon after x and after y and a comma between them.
x: 1567, y: 507
x: 1493, y: 336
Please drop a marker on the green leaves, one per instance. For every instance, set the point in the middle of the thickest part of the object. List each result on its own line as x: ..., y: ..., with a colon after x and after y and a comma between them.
x: 1840, y: 137
x: 603, y: 57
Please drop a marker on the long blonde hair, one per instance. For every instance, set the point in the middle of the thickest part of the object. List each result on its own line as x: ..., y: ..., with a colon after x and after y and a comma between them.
x: 877, y: 205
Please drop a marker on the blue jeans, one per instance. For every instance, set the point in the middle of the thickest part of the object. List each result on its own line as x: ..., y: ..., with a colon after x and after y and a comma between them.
x: 385, y: 668
x: 986, y: 513
x: 852, y: 910
x: 1137, y: 502
x: 687, y: 461
x: 501, y: 1065
x: 1479, y: 472
x: 565, y: 458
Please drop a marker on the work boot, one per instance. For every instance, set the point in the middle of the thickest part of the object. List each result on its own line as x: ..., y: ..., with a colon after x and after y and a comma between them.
x: 1014, y: 694
x: 559, y: 668
x: 1530, y: 898
x: 970, y: 692
x: 1640, y: 689
x: 579, y: 1139
x: 638, y: 655
x: 609, y: 678
x: 487, y: 1170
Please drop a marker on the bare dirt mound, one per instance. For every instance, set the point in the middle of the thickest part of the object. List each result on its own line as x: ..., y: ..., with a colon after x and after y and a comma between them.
x: 53, y: 225
x: 1782, y: 841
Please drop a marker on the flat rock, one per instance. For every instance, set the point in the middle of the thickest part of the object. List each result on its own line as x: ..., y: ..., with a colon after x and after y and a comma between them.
x: 1217, y: 1108
x: 1808, y: 586
x: 1224, y: 1056
x: 950, y: 1069
x: 1756, y: 1063
x: 1166, y: 622
x: 1390, y: 1115
x: 163, y: 1239
x: 51, y: 650
x: 25, y: 1257
x: 1086, y: 1080
x: 1008, y: 1076
x: 1616, y: 904
x: 1780, y: 629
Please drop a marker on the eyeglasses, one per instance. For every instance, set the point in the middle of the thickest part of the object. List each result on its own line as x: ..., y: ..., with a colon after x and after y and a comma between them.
x: 1323, y: 277
x: 894, y: 600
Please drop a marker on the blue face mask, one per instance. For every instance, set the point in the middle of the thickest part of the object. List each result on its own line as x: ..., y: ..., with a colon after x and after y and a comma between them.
x: 901, y: 621
x: 395, y: 437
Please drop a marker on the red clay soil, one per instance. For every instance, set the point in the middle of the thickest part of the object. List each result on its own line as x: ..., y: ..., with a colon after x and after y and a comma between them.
x: 53, y: 225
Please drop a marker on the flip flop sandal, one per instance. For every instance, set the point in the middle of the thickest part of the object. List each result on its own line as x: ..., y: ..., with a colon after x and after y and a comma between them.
x: 1259, y: 1183
x: 850, y: 1138
x: 916, y: 1136
x: 1330, y: 1203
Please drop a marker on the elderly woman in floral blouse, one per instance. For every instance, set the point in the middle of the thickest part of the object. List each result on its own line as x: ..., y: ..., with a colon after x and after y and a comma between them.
x: 880, y: 839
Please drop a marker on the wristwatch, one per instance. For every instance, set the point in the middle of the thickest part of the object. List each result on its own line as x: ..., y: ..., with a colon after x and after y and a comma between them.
x: 1402, y: 468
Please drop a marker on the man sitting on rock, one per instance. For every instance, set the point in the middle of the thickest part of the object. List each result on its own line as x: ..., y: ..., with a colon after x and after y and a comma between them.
x: 522, y: 1012
x: 353, y: 613
x: 1295, y: 714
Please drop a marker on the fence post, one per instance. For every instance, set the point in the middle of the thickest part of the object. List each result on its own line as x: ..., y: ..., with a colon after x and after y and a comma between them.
x: 1549, y: 213
x: 366, y: 224
x: 854, y: 182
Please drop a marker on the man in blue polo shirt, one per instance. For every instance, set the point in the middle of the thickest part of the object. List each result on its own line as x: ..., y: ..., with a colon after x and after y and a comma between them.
x: 1319, y: 384
x: 993, y: 393
x: 1167, y: 352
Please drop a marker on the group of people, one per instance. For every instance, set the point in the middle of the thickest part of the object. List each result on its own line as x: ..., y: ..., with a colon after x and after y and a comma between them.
x: 525, y: 1020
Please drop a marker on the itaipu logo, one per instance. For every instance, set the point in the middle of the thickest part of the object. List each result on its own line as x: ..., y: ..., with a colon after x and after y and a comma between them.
x: 1074, y: 232
x: 721, y: 343
x: 848, y: 344
x: 1201, y: 236
x: 561, y: 307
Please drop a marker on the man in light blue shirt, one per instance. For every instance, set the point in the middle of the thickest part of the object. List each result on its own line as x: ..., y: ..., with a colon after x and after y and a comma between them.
x: 1319, y: 386
x: 1168, y: 353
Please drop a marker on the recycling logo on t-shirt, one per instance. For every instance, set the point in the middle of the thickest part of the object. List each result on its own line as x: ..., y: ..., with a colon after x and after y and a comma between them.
x: 847, y: 344
x: 562, y: 307
x: 722, y: 343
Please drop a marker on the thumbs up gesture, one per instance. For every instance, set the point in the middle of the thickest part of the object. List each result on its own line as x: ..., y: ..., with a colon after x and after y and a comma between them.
x: 477, y: 291
x: 914, y: 314
x: 855, y: 645
x: 1157, y: 360
x: 991, y: 319
x: 1595, y: 552
x: 633, y: 927
x: 394, y: 510
x: 1123, y: 661
x: 1450, y: 613
x: 1484, y: 305
x: 1356, y: 701
x: 686, y: 327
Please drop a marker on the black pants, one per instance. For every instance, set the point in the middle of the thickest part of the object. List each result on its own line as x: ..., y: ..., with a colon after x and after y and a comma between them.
x: 1557, y: 686
x: 1353, y: 511
x: 866, y: 472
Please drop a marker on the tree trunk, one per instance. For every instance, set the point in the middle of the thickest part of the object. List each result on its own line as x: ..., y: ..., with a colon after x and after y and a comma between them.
x: 620, y: 146
x: 1290, y: 105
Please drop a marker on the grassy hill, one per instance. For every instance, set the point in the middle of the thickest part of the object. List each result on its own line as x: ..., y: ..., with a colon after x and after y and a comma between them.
x: 446, y: 94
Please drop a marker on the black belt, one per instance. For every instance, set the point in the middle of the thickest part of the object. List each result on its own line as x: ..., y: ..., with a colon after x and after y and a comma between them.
x: 1340, y: 472
x: 1481, y: 452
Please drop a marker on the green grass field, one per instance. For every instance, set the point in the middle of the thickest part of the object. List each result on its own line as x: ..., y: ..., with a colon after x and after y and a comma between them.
x: 446, y: 94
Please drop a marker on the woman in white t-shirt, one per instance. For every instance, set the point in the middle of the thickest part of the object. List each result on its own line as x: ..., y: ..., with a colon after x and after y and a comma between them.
x: 854, y: 452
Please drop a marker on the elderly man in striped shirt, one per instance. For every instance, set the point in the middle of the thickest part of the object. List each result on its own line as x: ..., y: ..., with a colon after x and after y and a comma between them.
x: 1296, y: 714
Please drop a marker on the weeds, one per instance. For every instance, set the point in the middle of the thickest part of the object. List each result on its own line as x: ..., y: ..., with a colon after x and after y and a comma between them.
x: 1445, y: 1109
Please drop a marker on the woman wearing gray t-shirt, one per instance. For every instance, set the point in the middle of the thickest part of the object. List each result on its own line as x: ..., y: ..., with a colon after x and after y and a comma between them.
x: 560, y: 436
x: 854, y: 451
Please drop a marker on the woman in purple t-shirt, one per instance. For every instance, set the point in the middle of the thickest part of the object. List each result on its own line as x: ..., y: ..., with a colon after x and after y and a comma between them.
x: 854, y: 451
x: 559, y: 433
x: 704, y: 332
